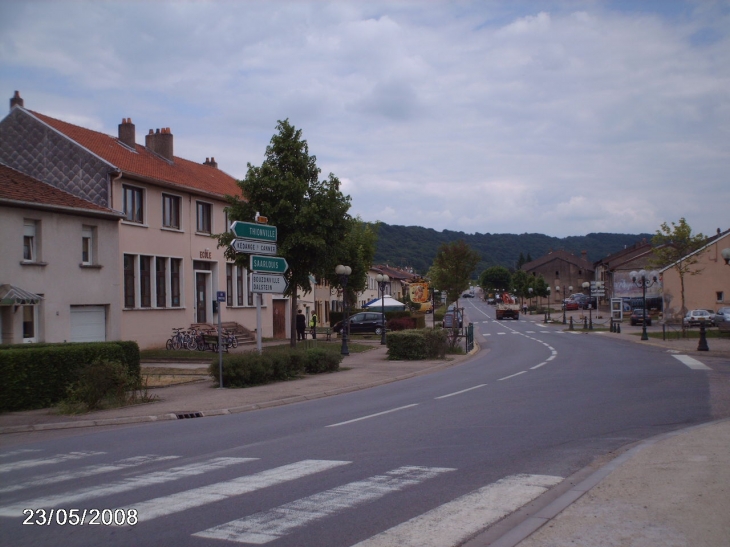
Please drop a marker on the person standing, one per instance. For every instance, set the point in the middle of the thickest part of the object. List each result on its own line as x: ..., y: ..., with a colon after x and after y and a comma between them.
x: 313, y: 324
x: 301, y: 326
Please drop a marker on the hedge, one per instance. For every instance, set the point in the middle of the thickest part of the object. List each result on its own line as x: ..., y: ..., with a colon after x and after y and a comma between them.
x: 417, y: 344
x: 251, y: 368
x: 38, y: 375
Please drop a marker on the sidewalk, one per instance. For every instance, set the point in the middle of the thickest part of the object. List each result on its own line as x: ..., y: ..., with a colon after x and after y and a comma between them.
x: 670, y: 491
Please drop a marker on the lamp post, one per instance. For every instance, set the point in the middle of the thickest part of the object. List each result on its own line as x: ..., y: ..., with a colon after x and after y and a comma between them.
x: 726, y: 255
x: 382, y: 280
x: 529, y: 290
x: 644, y: 280
x: 344, y: 272
x: 587, y: 285
x: 548, y: 301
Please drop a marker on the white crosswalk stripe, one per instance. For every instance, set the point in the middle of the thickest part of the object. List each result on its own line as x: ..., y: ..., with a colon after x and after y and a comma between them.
x: 454, y: 522
x: 691, y: 362
x: 126, y: 485
x: 271, y: 525
x: 88, y: 471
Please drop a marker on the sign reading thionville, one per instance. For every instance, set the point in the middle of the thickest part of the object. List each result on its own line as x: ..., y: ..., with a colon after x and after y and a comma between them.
x: 268, y: 264
x: 251, y: 230
x: 268, y: 283
x: 253, y: 247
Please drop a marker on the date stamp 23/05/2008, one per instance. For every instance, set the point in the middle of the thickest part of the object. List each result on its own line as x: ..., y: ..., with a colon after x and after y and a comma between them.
x: 80, y: 517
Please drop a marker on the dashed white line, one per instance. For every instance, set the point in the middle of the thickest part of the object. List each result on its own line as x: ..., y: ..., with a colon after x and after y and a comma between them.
x: 5, y: 468
x: 512, y: 376
x: 691, y: 362
x: 538, y: 366
x: 373, y: 415
x: 460, y: 392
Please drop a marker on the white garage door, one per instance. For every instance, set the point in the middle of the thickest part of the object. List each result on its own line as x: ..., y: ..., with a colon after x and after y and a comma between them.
x: 88, y: 324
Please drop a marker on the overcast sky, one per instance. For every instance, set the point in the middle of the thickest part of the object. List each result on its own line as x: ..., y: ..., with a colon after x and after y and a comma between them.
x: 562, y: 118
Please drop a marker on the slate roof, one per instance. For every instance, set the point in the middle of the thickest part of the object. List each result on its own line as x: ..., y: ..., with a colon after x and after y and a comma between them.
x: 558, y: 255
x: 144, y: 163
x: 21, y: 189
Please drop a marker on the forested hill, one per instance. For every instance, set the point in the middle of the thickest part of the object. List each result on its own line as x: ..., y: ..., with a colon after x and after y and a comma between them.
x: 416, y: 246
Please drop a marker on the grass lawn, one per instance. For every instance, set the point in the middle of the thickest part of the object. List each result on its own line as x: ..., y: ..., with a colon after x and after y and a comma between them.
x: 176, y: 355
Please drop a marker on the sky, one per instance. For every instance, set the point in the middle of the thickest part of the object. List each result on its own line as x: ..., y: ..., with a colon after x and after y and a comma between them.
x: 560, y: 117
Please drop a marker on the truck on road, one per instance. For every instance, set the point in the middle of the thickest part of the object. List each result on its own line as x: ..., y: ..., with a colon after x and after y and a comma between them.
x: 508, y: 308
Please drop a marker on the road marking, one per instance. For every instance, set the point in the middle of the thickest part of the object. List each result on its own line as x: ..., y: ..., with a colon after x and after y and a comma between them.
x: 59, y: 458
x: 19, y: 452
x: 550, y: 358
x: 270, y: 525
x: 197, y: 497
x: 691, y: 362
x: 132, y: 483
x: 501, y: 333
x: 454, y: 522
x: 512, y: 376
x: 460, y: 392
x: 373, y: 415
x: 87, y: 471
x: 530, y: 331
x: 538, y: 366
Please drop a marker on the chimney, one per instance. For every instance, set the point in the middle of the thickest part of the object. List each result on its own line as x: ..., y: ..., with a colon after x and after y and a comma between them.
x: 211, y: 162
x: 160, y: 142
x: 16, y: 100
x: 584, y: 255
x: 126, y: 132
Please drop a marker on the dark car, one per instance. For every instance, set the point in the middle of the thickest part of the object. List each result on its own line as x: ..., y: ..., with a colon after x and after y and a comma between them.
x: 363, y: 322
x: 637, y: 317
x: 448, y: 321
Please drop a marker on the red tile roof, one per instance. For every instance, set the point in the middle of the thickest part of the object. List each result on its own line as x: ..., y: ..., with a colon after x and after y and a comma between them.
x: 19, y: 187
x: 144, y: 162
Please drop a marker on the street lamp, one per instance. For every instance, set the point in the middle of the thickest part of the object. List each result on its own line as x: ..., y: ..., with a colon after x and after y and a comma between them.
x: 529, y: 290
x: 644, y: 280
x: 382, y: 280
x: 726, y: 255
x: 587, y: 285
x: 344, y: 272
x: 548, y: 300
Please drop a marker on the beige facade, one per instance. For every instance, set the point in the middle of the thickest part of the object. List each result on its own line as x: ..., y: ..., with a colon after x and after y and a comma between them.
x: 708, y: 289
x: 74, y: 281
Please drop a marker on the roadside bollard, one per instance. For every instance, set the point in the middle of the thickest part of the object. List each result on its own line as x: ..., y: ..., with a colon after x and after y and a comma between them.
x: 702, y: 346
x: 585, y: 323
x: 613, y: 327
x: 571, y: 324
x: 618, y: 328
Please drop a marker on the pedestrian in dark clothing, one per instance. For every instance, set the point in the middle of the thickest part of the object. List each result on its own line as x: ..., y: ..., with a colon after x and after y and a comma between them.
x: 301, y: 326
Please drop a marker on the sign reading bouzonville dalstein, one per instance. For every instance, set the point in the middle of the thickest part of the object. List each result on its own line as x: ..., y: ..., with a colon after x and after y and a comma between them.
x: 251, y: 230
x: 268, y: 264
x: 268, y: 283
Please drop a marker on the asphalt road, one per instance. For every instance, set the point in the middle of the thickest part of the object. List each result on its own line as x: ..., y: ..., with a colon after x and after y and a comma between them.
x: 426, y: 461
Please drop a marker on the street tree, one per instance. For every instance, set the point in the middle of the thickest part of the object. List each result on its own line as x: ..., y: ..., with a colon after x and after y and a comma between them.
x: 452, y: 268
x: 673, y: 247
x: 311, y: 215
x: 521, y: 283
x: 495, y: 278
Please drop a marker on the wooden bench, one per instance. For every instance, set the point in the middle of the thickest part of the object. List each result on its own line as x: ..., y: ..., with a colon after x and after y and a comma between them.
x: 326, y: 331
x: 211, y: 342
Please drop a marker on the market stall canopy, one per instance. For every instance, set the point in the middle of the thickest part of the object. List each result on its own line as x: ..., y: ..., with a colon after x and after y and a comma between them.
x: 15, y: 296
x: 390, y: 303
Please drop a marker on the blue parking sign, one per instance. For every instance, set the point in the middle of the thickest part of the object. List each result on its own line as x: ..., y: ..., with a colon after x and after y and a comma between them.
x: 221, y: 296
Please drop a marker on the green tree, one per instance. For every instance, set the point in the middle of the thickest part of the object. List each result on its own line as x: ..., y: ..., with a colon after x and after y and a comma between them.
x: 452, y: 268
x: 673, y: 247
x: 311, y: 216
x: 520, y: 261
x: 496, y: 278
x: 356, y: 250
x: 521, y: 283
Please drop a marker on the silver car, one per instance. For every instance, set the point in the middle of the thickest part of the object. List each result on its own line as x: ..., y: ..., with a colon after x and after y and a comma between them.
x: 722, y: 315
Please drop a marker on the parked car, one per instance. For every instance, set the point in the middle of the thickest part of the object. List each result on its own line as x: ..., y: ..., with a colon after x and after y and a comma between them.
x: 695, y: 317
x: 448, y: 320
x: 637, y: 317
x: 467, y: 295
x: 369, y: 321
x: 712, y: 315
x: 570, y: 304
x: 722, y: 315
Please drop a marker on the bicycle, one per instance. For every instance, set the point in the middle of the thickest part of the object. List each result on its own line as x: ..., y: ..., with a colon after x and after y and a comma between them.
x: 229, y: 339
x: 176, y: 341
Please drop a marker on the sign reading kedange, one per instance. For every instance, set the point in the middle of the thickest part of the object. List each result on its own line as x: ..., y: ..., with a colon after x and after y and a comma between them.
x: 251, y: 230
x: 253, y: 247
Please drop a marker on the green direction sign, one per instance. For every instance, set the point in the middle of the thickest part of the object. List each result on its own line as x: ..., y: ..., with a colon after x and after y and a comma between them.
x: 268, y: 264
x: 251, y: 230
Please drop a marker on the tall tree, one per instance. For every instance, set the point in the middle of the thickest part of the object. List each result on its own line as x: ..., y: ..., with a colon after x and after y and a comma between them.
x: 673, y: 247
x: 311, y: 216
x: 521, y: 283
x: 520, y: 261
x: 496, y: 278
x: 356, y: 250
x: 452, y: 268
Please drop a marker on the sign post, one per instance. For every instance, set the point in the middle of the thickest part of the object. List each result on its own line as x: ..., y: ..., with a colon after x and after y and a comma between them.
x: 220, y: 298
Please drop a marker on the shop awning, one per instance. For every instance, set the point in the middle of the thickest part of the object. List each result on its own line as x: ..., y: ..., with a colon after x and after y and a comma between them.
x: 15, y: 296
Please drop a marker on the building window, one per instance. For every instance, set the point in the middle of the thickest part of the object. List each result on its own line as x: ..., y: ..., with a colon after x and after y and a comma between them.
x: 29, y: 322
x: 229, y: 284
x: 128, y: 281
x: 161, y: 281
x: 720, y: 296
x: 87, y: 245
x: 175, y: 281
x: 29, y: 241
x: 171, y: 211
x: 133, y: 204
x: 204, y: 214
x: 239, y: 285
x: 145, y: 282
